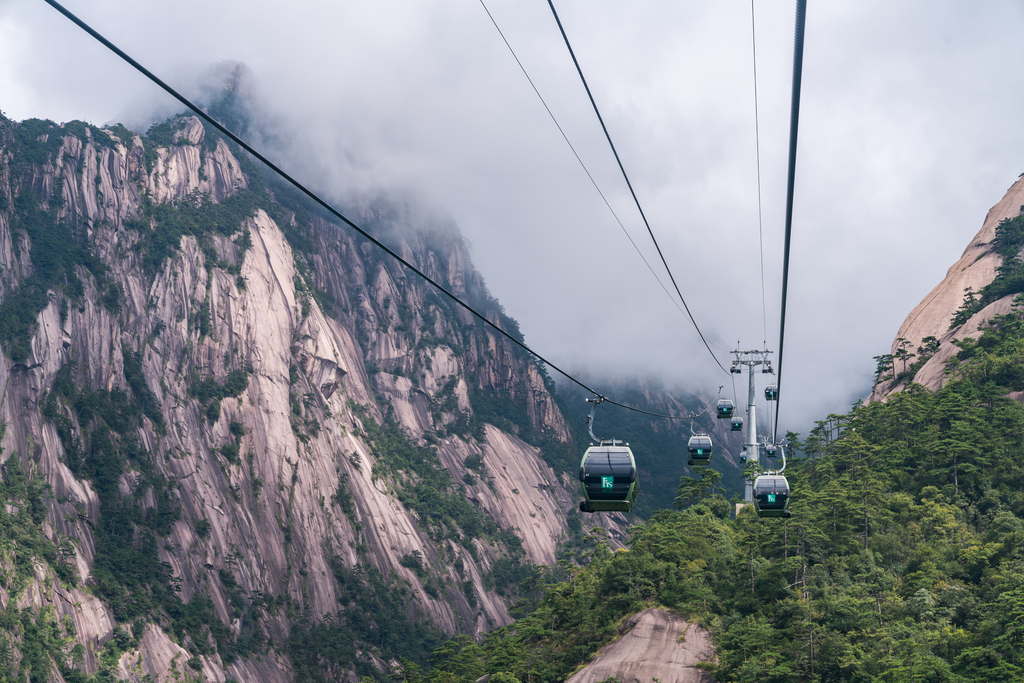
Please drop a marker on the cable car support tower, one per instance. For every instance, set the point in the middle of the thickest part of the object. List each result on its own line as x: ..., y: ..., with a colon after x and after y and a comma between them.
x: 751, y: 451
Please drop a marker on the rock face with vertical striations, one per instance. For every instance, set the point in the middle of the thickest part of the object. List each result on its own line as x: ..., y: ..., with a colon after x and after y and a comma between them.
x: 976, y: 269
x: 234, y: 431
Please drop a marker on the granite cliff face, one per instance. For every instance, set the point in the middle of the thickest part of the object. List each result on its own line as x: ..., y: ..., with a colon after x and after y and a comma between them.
x: 976, y: 268
x: 236, y: 423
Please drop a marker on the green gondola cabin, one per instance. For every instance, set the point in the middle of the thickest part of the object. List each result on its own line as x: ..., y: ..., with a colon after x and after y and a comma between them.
x: 608, y: 478
x: 771, y: 496
x: 725, y: 409
x: 700, y: 449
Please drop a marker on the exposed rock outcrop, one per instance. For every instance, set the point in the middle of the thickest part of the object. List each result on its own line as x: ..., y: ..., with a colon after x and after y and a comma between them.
x: 658, y: 646
x: 976, y: 268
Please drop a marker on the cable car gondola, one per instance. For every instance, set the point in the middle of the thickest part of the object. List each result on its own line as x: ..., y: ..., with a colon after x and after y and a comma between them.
x: 736, y: 424
x: 725, y: 408
x: 771, y: 450
x: 608, y: 475
x: 771, y: 392
x: 700, y: 449
x: 735, y: 369
x: 771, y: 496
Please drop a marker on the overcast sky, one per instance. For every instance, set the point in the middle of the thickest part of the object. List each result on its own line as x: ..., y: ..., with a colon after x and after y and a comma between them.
x: 910, y: 130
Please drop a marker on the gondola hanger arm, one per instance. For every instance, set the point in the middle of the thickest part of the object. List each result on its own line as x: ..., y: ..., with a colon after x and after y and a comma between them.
x: 590, y: 423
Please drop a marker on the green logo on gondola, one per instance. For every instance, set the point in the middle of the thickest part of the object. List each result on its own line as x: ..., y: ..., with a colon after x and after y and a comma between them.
x: 607, y: 482
x: 771, y: 497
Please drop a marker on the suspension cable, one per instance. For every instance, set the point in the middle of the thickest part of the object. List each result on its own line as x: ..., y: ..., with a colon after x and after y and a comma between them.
x: 630, y: 185
x: 757, y: 147
x: 578, y: 158
x: 794, y: 121
x: 694, y: 416
x: 329, y: 208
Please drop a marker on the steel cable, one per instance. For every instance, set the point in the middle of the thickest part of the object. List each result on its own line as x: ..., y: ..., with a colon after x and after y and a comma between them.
x: 794, y: 123
x: 757, y: 147
x: 576, y: 154
x: 630, y: 185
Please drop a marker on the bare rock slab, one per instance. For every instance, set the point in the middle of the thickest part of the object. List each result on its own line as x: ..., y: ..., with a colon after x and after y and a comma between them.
x: 660, y: 645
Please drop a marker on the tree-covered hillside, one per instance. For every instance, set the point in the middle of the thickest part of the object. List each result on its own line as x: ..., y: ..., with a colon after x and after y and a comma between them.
x: 903, y: 561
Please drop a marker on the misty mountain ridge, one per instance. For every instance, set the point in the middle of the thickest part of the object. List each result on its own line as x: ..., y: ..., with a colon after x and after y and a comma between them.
x: 177, y: 336
x: 241, y: 442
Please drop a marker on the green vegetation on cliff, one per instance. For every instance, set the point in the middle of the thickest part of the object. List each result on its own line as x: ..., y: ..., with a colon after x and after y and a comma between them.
x: 1009, y: 279
x: 99, y: 429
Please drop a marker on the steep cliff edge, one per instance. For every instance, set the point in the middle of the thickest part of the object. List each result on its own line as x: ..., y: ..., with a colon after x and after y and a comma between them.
x: 927, y: 334
x: 238, y: 442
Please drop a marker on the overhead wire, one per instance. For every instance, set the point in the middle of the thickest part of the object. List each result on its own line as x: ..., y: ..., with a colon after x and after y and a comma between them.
x: 576, y: 154
x: 794, y: 124
x: 757, y: 147
x: 625, y: 176
x: 694, y: 416
x: 333, y: 211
